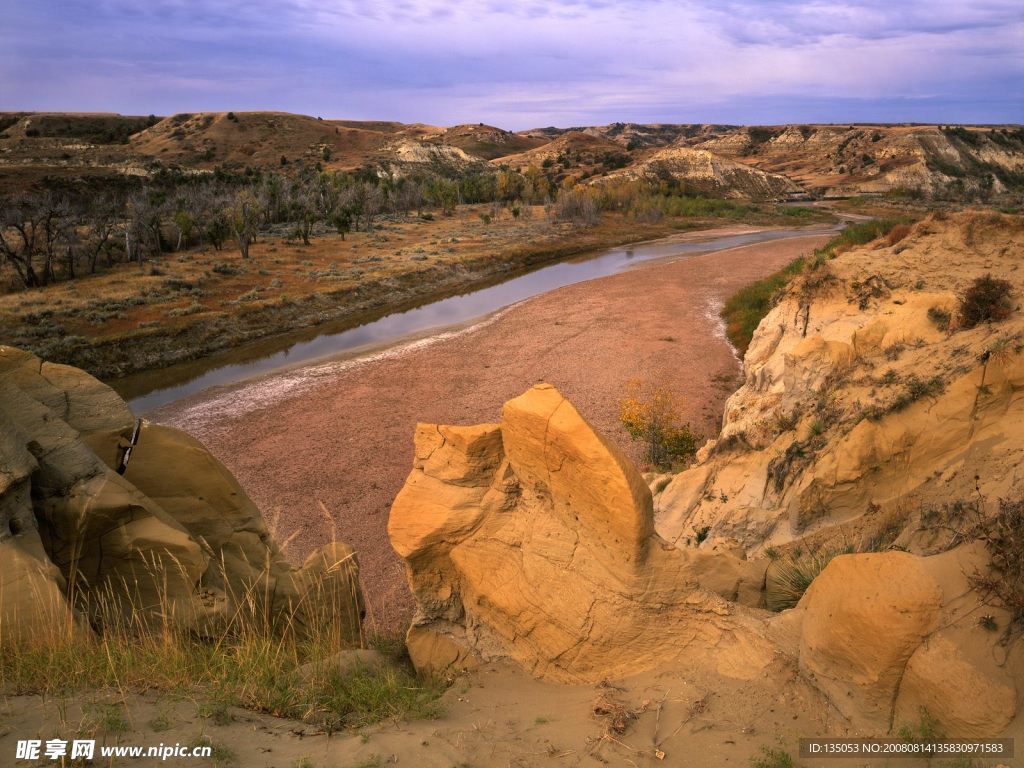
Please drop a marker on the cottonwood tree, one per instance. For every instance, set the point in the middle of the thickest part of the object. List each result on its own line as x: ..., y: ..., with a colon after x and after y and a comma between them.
x: 303, y: 207
x: 510, y: 186
x: 52, y: 219
x: 536, y: 187
x: 407, y: 196
x: 100, y: 219
x: 371, y: 204
x: 143, y: 232
x: 19, y: 237
x: 243, y: 217
x: 443, y: 194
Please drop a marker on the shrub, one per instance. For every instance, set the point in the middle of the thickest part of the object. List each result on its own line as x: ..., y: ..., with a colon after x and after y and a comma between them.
x: 191, y: 309
x: 940, y: 317
x: 578, y: 207
x: 656, y: 419
x: 772, y: 758
x: 986, y: 300
x: 917, y: 389
x: 925, y: 731
x: 1003, y: 536
x: 897, y: 233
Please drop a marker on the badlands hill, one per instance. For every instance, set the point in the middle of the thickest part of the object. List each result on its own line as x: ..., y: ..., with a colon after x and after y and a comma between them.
x: 814, y: 160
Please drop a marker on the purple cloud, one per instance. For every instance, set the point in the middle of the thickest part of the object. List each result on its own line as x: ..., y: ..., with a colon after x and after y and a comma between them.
x: 519, y: 65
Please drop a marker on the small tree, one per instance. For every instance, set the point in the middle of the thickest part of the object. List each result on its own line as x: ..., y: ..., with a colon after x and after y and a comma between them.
x: 184, y: 224
x: 443, y: 194
x: 244, y: 216
x: 655, y: 416
x: 578, y: 207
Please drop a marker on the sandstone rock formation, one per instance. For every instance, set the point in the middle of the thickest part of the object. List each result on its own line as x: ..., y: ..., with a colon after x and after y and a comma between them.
x: 172, y: 538
x: 533, y: 540
x: 864, y: 617
x: 887, y: 635
x: 860, y: 412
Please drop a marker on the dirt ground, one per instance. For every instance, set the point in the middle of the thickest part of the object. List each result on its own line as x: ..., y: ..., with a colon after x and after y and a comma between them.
x: 324, y: 449
x: 494, y: 717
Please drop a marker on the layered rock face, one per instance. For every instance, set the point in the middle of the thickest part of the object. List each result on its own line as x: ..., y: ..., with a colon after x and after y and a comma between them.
x: 865, y: 406
x: 173, y: 537
x: 533, y: 539
x: 708, y: 173
x: 837, y: 160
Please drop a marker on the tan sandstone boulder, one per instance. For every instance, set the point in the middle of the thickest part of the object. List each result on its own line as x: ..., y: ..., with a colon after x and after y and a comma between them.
x: 864, y: 617
x: 175, y: 537
x: 968, y: 693
x: 534, y: 540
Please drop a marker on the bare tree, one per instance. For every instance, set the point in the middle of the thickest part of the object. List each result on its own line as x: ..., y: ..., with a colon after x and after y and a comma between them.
x: 143, y: 231
x: 303, y: 207
x: 100, y: 218
x: 19, y: 237
x: 244, y: 217
x: 372, y: 204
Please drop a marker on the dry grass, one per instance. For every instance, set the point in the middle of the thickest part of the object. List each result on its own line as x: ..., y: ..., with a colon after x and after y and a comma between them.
x: 273, y: 663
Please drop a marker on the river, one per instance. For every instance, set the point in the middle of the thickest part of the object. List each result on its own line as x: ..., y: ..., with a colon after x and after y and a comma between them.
x: 149, y: 390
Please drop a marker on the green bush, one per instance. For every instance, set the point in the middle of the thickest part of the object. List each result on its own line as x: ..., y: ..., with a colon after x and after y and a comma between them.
x: 772, y: 758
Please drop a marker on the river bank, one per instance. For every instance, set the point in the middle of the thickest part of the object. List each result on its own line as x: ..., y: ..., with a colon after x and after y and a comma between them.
x: 324, y: 449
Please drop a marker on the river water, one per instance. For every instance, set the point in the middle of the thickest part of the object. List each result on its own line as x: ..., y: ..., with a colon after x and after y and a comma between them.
x: 152, y: 389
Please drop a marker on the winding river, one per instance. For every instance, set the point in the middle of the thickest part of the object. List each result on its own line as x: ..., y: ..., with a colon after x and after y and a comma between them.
x: 152, y: 389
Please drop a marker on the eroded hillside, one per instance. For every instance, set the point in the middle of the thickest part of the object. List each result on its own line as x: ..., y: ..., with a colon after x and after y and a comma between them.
x: 919, y: 161
x: 870, y: 410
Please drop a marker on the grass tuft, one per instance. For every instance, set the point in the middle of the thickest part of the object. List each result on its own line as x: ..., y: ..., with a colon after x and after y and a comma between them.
x: 253, y: 661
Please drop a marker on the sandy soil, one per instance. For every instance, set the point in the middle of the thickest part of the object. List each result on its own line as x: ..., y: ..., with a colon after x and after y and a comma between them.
x: 338, y: 437
x: 495, y: 716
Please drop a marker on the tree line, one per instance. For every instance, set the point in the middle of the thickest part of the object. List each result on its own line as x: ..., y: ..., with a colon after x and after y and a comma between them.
x: 51, y: 234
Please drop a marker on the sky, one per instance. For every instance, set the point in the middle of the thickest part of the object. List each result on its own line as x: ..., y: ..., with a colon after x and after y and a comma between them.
x: 522, y: 65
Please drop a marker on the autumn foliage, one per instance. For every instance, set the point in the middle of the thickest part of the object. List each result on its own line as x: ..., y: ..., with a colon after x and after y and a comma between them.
x: 654, y: 415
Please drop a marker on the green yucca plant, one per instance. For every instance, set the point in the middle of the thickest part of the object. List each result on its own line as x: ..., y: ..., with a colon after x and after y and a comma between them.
x: 791, y: 575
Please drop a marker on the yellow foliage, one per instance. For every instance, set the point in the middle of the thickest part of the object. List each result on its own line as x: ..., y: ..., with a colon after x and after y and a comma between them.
x: 655, y: 416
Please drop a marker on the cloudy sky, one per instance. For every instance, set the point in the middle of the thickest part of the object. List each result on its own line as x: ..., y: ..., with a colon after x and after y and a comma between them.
x: 522, y: 64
